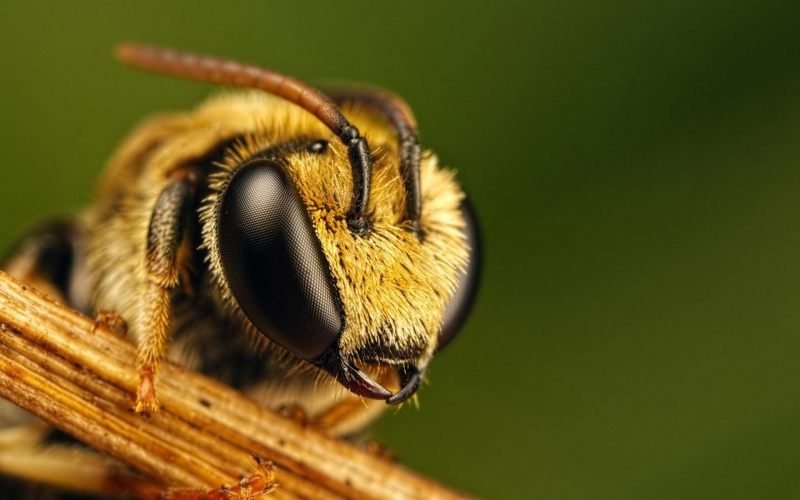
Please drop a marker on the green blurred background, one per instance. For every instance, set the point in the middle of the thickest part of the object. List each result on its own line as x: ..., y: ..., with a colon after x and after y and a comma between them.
x: 636, y: 167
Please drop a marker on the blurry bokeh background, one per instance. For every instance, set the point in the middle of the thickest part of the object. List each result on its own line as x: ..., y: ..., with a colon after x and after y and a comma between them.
x: 636, y: 167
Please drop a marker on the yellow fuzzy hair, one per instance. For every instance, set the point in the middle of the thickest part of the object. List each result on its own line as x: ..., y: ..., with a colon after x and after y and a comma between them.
x: 393, y: 287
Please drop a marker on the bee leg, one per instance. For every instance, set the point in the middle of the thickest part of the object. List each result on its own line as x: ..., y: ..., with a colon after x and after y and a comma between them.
x: 380, y: 451
x: 48, y: 259
x: 167, y: 227
x: 295, y: 413
x: 338, y: 414
x: 249, y: 488
x: 110, y: 321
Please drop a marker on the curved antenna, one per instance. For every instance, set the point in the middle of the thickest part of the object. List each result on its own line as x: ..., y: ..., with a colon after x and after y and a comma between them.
x: 226, y: 72
x: 396, y: 112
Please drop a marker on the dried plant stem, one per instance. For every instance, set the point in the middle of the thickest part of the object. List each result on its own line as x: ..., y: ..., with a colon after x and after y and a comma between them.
x: 83, y: 383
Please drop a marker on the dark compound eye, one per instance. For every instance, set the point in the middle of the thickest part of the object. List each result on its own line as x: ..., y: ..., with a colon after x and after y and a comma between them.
x: 457, y: 311
x: 273, y: 262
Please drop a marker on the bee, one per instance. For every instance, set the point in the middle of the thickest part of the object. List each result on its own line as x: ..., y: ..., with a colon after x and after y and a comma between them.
x: 297, y: 245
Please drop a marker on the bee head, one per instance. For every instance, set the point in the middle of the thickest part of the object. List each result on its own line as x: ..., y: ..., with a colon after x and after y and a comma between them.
x: 354, y: 305
x: 354, y: 260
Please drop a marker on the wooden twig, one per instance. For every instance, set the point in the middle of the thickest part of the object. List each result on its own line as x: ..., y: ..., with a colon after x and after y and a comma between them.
x: 83, y: 383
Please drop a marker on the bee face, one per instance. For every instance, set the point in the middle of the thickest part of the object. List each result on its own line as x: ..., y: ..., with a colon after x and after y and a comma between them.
x: 349, y: 303
x: 311, y: 224
x: 270, y: 241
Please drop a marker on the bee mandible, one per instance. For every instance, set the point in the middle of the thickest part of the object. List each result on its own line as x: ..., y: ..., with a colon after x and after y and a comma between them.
x: 289, y: 242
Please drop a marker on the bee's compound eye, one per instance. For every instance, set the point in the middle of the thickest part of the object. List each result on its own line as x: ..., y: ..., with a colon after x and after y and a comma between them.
x: 273, y: 262
x: 457, y: 311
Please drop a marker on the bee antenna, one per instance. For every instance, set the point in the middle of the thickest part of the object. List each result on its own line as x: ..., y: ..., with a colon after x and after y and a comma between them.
x: 226, y: 72
x: 394, y: 110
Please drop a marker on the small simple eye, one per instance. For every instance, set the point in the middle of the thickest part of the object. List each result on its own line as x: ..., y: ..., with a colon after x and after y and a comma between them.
x: 273, y: 262
x: 457, y: 311
x: 317, y: 147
